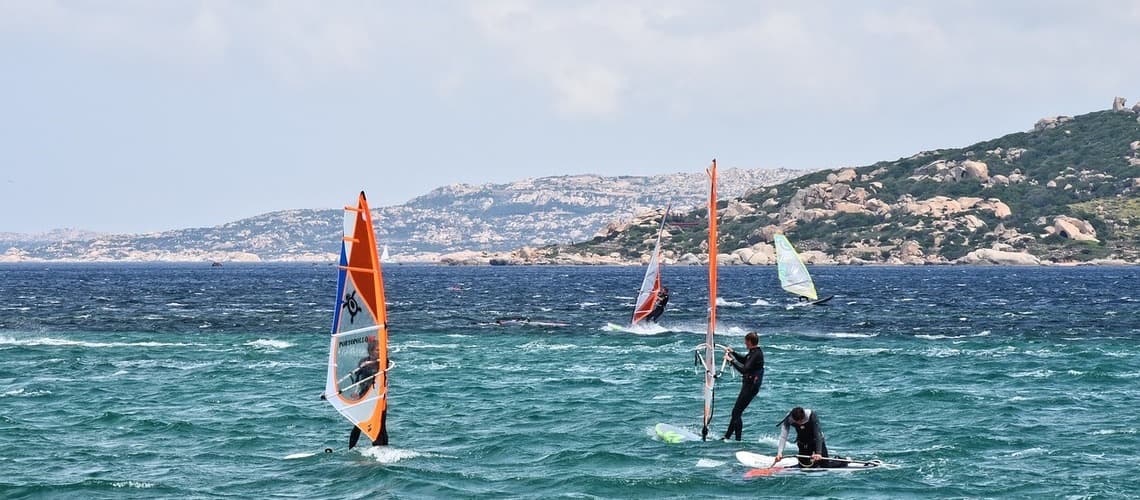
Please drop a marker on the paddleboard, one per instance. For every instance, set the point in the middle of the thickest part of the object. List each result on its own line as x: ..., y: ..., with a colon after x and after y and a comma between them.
x: 673, y: 434
x: 762, y: 465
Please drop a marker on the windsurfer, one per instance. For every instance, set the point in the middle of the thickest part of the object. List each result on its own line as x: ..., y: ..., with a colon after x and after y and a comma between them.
x: 365, y: 375
x: 809, y: 439
x: 751, y: 368
x: 659, y: 307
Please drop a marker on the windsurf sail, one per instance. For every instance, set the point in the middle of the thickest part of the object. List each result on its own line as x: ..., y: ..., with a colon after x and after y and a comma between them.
x: 357, y: 381
x: 710, y: 343
x: 384, y: 257
x: 794, y: 277
x: 649, y: 294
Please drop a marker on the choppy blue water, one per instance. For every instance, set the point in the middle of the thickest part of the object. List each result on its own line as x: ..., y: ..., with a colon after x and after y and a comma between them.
x: 189, y: 381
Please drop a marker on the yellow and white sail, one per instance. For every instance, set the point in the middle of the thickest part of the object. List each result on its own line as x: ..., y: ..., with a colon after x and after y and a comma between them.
x: 794, y: 277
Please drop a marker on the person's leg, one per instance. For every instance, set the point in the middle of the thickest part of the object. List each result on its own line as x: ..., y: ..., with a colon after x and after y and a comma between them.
x: 353, y: 437
x: 382, y: 439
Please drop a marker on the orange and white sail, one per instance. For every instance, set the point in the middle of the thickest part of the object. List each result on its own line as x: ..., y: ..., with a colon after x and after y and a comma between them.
x: 710, y: 341
x: 357, y: 382
x: 650, y: 291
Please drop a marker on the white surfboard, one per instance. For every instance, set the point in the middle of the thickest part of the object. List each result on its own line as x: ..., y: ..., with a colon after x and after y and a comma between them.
x: 790, y: 464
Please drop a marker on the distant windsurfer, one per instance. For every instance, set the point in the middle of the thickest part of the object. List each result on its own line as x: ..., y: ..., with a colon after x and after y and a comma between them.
x: 365, y: 375
x: 809, y: 439
x: 751, y: 368
x: 659, y: 307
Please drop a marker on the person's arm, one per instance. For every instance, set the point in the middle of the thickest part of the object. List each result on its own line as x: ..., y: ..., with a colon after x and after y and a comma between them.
x: 737, y: 360
x: 783, y: 440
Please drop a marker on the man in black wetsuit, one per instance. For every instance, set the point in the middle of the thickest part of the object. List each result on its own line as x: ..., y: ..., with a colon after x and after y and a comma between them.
x: 365, y: 375
x: 659, y: 307
x: 751, y: 368
x: 809, y: 439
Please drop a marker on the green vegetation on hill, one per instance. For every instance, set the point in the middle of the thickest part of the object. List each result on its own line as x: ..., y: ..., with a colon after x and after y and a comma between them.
x: 1006, y: 193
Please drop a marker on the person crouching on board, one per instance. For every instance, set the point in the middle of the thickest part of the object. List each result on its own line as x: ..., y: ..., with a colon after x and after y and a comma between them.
x: 751, y: 368
x: 809, y: 439
x: 659, y: 307
x: 365, y: 375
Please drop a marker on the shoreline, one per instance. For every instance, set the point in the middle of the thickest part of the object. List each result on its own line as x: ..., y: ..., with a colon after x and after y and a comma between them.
x: 437, y: 263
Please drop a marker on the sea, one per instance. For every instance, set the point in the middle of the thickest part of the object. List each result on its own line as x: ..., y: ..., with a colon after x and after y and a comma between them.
x: 191, y: 381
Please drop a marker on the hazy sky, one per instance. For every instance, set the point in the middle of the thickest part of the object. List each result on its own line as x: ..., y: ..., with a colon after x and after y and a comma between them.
x: 141, y: 115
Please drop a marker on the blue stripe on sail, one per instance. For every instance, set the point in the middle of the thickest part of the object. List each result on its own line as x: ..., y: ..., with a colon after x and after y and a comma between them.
x: 340, y: 277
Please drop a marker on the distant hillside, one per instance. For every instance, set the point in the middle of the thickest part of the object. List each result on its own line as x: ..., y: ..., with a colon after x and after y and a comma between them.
x: 488, y: 217
x: 1065, y: 191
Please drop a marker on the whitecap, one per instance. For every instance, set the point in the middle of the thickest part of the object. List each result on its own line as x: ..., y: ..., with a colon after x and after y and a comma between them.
x: 586, y: 305
x: 845, y: 335
x: 389, y: 455
x: 1033, y: 374
x: 721, y: 302
x: 663, y: 396
x: 706, y: 463
x: 132, y: 484
x: 298, y: 455
x: 269, y: 344
x: 416, y: 344
x: 50, y: 341
x: 761, y: 302
x: 540, y: 346
x: 1105, y: 432
x: 1029, y: 452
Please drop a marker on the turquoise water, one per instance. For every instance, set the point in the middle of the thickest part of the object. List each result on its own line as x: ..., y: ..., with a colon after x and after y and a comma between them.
x: 187, y: 381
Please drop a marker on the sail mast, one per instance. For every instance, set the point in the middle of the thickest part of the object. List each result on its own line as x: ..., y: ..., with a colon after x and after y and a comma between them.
x: 709, y: 362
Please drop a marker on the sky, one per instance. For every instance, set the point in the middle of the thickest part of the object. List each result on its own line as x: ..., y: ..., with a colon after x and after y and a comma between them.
x: 133, y: 116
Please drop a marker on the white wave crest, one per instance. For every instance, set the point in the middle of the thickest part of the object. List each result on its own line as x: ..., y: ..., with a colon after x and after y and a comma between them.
x: 1105, y: 432
x: 1030, y: 452
x: 20, y: 393
x: 389, y: 455
x: 542, y: 346
x: 761, y: 302
x: 50, y: 341
x: 269, y: 344
x: 1033, y: 374
x: 720, y: 302
x: 132, y: 484
x: 415, y: 344
x: 938, y: 336
x: 706, y: 463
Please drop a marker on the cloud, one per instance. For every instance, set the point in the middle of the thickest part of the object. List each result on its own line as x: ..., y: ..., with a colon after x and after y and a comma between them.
x: 296, y: 41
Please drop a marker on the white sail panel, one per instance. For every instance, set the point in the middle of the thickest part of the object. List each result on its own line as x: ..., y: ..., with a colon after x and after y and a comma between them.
x: 794, y: 277
x: 648, y: 295
x: 357, y: 379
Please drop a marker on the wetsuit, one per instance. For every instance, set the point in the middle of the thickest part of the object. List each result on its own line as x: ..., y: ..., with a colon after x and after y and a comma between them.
x: 751, y: 368
x: 381, y: 440
x: 809, y: 440
x: 659, y: 307
x: 366, y: 371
